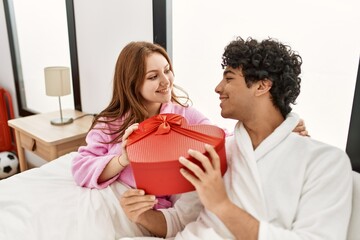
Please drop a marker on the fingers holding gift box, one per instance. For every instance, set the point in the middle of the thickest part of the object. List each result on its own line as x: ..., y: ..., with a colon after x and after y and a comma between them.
x: 155, y: 147
x: 127, y: 133
x: 207, y: 180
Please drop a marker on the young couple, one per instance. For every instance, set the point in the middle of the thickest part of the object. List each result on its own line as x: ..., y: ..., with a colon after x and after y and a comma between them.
x: 279, y: 184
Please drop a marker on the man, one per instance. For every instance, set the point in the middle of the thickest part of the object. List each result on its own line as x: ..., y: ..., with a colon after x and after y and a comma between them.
x: 279, y: 185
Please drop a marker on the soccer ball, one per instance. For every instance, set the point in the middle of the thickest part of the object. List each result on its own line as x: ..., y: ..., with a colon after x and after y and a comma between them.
x: 9, y: 164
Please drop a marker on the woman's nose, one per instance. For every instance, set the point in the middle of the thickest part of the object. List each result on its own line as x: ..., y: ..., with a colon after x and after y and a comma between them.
x: 164, y: 80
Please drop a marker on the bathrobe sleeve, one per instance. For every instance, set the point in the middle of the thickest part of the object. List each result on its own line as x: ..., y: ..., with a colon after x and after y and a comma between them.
x: 185, y: 210
x: 91, y: 159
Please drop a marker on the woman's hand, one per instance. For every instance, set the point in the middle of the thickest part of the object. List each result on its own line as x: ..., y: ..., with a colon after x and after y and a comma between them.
x: 118, y: 163
x: 128, y: 131
x: 135, y: 203
x: 208, y: 182
x: 301, y: 129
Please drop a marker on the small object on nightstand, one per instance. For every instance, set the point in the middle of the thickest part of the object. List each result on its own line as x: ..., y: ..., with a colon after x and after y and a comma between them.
x: 57, y: 83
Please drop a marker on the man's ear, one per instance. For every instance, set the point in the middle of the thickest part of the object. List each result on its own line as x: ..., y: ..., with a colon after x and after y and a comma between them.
x: 263, y: 86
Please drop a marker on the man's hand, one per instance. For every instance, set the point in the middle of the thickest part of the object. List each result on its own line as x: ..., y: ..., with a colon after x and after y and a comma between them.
x: 138, y: 207
x: 135, y: 203
x: 212, y: 193
x: 208, y: 182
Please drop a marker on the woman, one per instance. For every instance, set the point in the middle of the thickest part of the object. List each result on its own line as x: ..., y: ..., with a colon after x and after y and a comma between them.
x: 143, y: 86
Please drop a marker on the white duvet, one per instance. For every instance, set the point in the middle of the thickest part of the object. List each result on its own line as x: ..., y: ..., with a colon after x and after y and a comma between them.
x: 45, y: 203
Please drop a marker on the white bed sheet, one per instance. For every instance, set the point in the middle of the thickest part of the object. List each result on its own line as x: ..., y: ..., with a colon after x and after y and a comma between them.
x: 45, y: 203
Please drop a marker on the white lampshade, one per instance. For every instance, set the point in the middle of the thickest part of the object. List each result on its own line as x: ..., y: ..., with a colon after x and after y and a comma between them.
x: 57, y: 81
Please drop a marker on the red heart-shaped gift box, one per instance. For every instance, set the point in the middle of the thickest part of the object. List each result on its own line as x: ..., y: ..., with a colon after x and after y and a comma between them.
x: 155, y: 147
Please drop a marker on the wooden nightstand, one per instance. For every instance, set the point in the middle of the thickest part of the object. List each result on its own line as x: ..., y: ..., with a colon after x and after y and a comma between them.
x: 36, y: 134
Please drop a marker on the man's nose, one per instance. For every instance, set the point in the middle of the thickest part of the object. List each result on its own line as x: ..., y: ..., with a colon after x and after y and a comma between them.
x: 219, y: 87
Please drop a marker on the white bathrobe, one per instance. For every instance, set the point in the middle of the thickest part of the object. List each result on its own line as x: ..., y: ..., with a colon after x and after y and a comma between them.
x: 297, y: 187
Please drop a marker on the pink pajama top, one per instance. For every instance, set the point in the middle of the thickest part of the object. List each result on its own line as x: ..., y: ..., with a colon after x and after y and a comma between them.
x: 91, y: 159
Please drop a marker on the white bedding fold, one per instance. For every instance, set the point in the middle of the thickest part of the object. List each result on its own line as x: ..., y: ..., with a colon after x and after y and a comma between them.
x: 45, y: 203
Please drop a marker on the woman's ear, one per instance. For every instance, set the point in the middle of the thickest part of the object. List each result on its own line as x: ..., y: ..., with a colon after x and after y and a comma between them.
x: 263, y: 87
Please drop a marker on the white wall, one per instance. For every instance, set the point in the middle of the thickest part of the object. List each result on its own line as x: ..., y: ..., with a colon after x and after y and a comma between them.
x: 42, y: 46
x: 324, y: 32
x: 102, y: 30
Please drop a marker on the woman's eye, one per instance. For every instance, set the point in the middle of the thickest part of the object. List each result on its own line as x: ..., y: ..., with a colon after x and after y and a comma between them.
x: 152, y: 77
x: 167, y: 71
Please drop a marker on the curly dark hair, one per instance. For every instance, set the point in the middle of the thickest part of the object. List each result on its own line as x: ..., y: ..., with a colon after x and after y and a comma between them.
x: 268, y: 59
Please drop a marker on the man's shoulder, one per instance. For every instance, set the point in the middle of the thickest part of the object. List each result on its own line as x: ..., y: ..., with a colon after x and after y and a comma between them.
x: 320, y: 153
x: 312, y: 144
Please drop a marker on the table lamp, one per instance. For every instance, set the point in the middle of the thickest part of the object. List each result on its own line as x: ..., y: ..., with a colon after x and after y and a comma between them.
x: 57, y: 83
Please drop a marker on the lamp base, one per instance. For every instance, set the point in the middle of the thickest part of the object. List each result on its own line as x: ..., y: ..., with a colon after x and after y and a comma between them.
x: 60, y: 122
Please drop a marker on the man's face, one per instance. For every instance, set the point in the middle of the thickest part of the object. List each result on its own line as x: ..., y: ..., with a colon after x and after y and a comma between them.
x: 236, y: 98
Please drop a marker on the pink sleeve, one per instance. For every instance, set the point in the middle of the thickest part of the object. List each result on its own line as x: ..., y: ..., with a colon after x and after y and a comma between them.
x: 91, y: 160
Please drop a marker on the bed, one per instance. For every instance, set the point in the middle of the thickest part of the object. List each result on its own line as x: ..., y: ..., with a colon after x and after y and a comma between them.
x: 45, y: 203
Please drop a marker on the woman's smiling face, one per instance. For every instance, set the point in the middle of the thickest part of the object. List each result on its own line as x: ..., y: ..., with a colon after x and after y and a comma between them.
x: 158, y: 83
